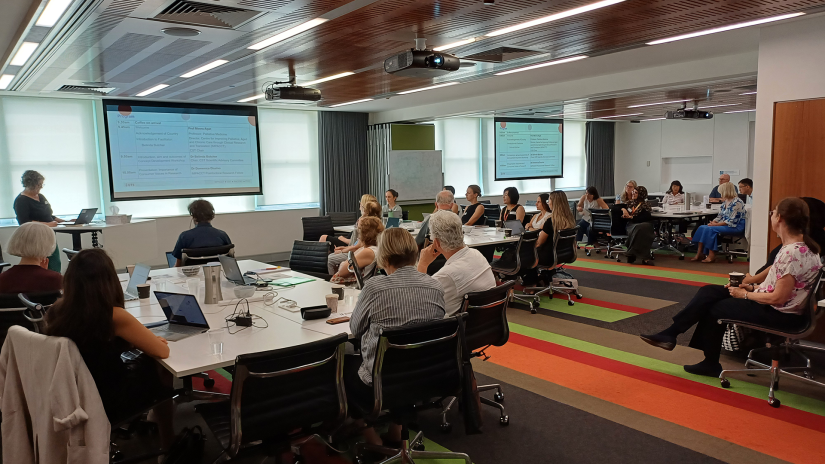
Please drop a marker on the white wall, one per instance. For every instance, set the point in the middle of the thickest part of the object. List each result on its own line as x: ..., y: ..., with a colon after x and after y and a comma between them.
x: 790, y: 68
x: 692, y: 152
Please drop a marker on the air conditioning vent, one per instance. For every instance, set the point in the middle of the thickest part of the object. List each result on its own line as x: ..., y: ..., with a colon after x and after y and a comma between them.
x: 88, y: 90
x: 203, y: 14
x: 500, y: 55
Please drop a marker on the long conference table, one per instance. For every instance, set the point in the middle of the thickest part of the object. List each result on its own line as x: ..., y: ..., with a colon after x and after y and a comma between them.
x: 474, y: 236
x: 192, y: 355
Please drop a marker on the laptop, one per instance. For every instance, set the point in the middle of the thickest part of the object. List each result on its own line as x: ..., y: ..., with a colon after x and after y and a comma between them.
x: 85, y: 216
x: 170, y: 259
x: 139, y: 277
x: 393, y: 222
x: 184, y: 315
x: 233, y: 272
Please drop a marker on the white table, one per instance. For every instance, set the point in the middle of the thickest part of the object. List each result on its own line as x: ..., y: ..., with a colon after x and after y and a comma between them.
x: 285, y: 328
x: 479, y: 236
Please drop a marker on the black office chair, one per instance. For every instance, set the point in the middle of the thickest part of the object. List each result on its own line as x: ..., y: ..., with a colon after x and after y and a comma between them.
x: 199, y: 256
x: 616, y: 242
x: 279, y: 397
x: 310, y: 258
x: 553, y: 259
x: 69, y: 253
x: 341, y: 219
x: 493, y: 213
x: 733, y: 246
x: 600, y: 227
x: 13, y: 311
x: 779, y: 348
x: 413, y: 364
x: 517, y: 262
x: 484, y: 202
x: 3, y: 263
x: 360, y: 277
x: 315, y: 227
x: 485, y: 326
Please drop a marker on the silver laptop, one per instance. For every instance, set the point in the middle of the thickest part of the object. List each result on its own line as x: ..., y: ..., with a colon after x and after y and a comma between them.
x: 184, y: 315
x: 139, y: 277
x: 233, y: 272
x: 86, y: 216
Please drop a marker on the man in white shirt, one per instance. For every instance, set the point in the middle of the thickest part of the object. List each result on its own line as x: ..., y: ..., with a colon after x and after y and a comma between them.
x: 746, y: 187
x: 465, y: 271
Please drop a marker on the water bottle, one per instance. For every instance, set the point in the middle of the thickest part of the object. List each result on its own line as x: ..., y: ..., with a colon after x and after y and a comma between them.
x: 212, y: 279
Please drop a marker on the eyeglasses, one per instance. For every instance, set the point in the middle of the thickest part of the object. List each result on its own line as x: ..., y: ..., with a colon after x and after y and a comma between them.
x: 770, y: 214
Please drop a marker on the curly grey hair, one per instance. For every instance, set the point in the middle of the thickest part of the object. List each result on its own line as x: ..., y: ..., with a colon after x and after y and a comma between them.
x: 446, y: 227
x: 31, y: 179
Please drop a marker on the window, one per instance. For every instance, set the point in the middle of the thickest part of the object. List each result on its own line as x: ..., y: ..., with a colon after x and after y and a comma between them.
x: 458, y: 139
x: 575, y: 162
x: 289, y: 156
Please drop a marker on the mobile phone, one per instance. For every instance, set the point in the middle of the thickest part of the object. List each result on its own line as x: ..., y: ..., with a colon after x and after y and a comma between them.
x: 337, y: 320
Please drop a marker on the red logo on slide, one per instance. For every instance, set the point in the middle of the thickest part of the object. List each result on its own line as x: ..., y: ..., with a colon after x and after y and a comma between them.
x: 185, y: 116
x: 251, y: 120
x: 561, y: 127
x: 124, y: 110
x: 503, y: 125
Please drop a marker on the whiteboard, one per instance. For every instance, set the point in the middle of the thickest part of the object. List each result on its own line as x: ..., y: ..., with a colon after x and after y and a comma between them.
x: 416, y: 174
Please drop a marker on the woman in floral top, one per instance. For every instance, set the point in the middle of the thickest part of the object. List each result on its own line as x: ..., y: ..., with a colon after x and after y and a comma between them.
x: 778, y: 301
x: 729, y: 221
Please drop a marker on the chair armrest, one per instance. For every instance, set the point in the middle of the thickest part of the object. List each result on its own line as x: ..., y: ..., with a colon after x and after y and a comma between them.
x: 762, y: 328
x: 4, y: 265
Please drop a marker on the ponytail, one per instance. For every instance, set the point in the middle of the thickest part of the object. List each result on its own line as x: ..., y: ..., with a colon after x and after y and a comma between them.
x: 796, y: 214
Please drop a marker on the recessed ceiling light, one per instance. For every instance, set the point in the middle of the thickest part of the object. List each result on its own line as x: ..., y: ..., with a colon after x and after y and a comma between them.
x: 23, y: 53
x: 256, y: 97
x: 725, y: 28
x: 152, y: 90
x: 555, y: 17
x: 454, y: 44
x: 204, y: 68
x: 718, y: 106
x: 337, y: 76
x: 53, y: 11
x: 5, y: 80
x: 738, y: 111
x: 446, y: 84
x: 748, y: 93
x: 288, y: 33
x: 618, y: 116
x: 653, y: 119
x: 660, y: 103
x: 352, y: 102
x: 541, y: 65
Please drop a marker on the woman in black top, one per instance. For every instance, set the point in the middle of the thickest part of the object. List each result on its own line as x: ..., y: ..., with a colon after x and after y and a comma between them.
x: 512, y: 210
x: 31, y: 206
x: 474, y: 212
x: 640, y: 230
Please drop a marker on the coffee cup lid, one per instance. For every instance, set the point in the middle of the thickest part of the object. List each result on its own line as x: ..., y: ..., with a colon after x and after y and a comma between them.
x: 736, y: 274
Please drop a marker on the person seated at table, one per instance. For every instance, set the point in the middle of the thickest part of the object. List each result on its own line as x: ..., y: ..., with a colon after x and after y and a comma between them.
x: 368, y: 230
x: 391, y: 207
x: 746, y: 188
x: 401, y: 298
x: 33, y: 242
x: 91, y: 314
x: 777, y: 301
x: 729, y: 221
x: 475, y: 210
x: 453, y: 207
x: 203, y: 235
x: 342, y: 243
x: 466, y: 269
x: 590, y: 200
x: 675, y: 195
x: 560, y: 219
x: 512, y: 211
x: 537, y: 221
x: 715, y: 195
x: 627, y: 193
x: 639, y: 225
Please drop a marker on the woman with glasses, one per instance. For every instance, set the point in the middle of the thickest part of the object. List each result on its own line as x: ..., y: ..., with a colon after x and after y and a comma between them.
x: 31, y: 206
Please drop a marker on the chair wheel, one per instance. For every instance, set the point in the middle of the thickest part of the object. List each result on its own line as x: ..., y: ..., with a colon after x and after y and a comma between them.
x: 569, y: 302
x: 725, y: 383
x: 618, y: 259
x: 498, y: 397
x: 209, y: 383
x: 598, y: 252
x: 681, y: 258
x: 505, y: 420
x: 774, y: 402
x: 418, y: 447
x: 579, y: 296
x: 587, y: 252
x: 534, y: 306
x: 446, y: 428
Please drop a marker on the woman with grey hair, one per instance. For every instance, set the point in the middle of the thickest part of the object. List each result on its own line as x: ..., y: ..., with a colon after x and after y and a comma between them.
x: 33, y: 242
x: 31, y: 206
x: 466, y: 269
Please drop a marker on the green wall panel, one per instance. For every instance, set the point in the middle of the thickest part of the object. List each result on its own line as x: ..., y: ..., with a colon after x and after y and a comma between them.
x: 412, y: 136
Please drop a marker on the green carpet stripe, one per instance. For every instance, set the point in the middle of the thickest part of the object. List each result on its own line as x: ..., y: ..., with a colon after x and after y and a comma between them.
x: 651, y: 271
x: 430, y: 445
x: 738, y: 386
x: 585, y: 310
x: 224, y: 373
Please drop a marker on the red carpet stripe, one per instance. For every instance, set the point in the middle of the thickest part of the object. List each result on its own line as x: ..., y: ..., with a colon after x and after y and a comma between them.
x: 750, y: 404
x: 606, y: 304
x: 639, y: 276
x: 222, y: 384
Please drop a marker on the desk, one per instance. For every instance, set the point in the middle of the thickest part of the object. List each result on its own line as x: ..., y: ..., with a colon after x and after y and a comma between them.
x: 286, y: 328
x: 78, y: 230
x: 479, y: 236
x: 666, y: 219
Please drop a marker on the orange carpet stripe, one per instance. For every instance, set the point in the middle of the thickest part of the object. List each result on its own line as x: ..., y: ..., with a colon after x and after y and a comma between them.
x: 761, y: 433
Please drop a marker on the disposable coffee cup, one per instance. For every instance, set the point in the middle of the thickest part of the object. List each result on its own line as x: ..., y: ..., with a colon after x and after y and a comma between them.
x: 143, y: 291
x: 332, y: 302
x: 508, y: 232
x: 338, y: 290
x: 736, y: 278
x: 130, y: 268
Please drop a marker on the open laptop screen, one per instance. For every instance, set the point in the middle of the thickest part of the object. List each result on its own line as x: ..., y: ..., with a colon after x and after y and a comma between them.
x: 139, y: 276
x: 181, y: 308
x: 170, y: 259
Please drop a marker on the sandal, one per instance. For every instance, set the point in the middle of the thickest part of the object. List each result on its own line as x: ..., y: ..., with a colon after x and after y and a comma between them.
x: 708, y: 260
x: 698, y: 257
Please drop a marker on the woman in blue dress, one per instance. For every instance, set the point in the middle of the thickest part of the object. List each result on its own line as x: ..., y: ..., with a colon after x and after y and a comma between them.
x: 729, y: 221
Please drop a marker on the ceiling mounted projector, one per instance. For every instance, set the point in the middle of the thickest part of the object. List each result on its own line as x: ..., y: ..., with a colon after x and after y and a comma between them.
x: 689, y: 115
x: 291, y: 92
x: 420, y: 62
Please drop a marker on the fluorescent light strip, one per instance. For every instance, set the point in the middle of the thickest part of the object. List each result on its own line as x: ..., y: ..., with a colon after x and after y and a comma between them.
x: 618, y: 116
x: 725, y: 28
x: 352, y: 102
x: 566, y: 114
x: 718, y: 106
x: 748, y: 93
x: 541, y: 65
x: 555, y: 17
x: 337, y: 76
x: 204, y: 68
x: 653, y: 119
x: 52, y: 13
x: 5, y: 80
x: 248, y: 99
x: 152, y: 90
x: 23, y: 53
x: 660, y: 103
x: 446, y: 84
x: 738, y: 111
x: 288, y: 33
x: 455, y: 44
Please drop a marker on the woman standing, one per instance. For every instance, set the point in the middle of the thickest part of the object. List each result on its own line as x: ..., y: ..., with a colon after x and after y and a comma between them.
x: 590, y: 200
x: 544, y: 212
x: 627, y: 193
x: 31, y: 206
x: 729, y: 221
x: 391, y: 209
x: 674, y: 195
x: 640, y: 232
x: 475, y: 210
x: 512, y: 210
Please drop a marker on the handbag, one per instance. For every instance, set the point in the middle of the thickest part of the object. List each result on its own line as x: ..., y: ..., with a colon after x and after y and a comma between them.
x: 732, y: 341
x: 187, y: 448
